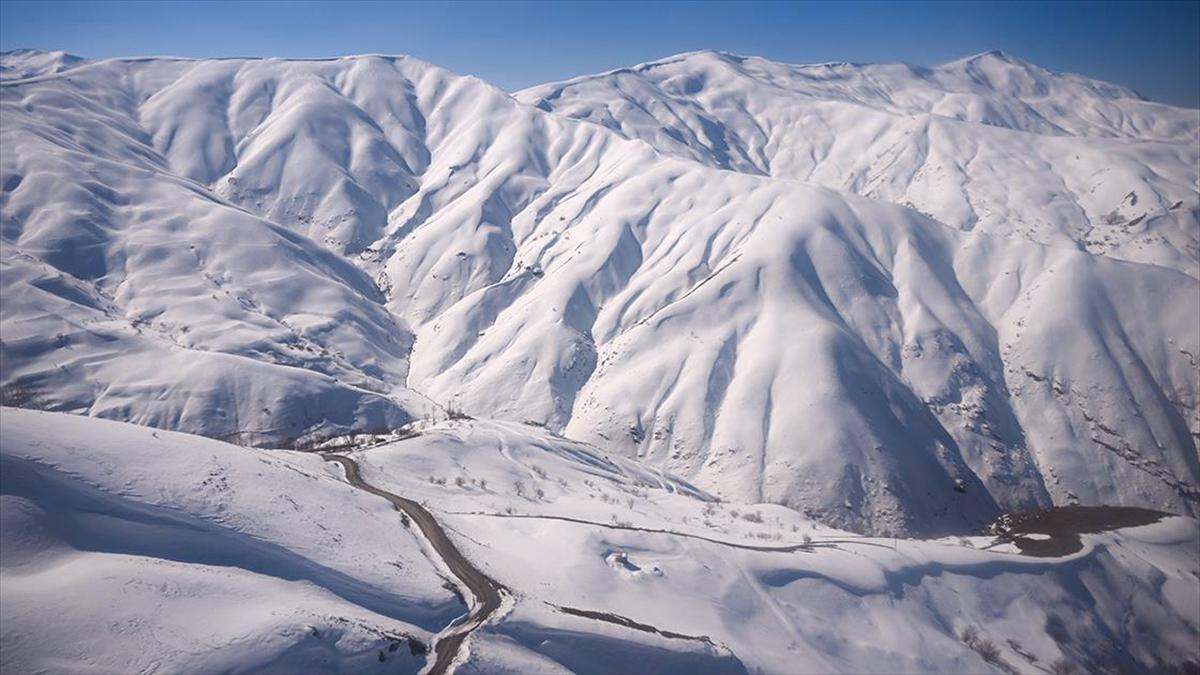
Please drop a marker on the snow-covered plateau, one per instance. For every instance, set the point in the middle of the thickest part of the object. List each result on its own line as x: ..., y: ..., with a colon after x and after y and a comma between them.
x: 710, y: 364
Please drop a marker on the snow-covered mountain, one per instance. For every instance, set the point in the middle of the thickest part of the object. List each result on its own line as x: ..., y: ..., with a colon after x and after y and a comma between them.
x: 21, y: 64
x: 898, y: 300
x: 988, y: 143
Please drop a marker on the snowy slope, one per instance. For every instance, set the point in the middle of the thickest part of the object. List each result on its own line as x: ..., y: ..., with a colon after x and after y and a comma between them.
x: 271, y: 563
x: 370, y: 231
x: 132, y: 550
x: 20, y: 64
x: 144, y: 297
x: 990, y: 143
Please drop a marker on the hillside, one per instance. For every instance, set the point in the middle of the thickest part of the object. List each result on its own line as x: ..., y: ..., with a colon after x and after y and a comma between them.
x: 278, y: 251
x: 129, y: 549
x: 989, y: 143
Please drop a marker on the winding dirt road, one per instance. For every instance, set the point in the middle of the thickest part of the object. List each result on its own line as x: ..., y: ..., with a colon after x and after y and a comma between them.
x: 486, y: 591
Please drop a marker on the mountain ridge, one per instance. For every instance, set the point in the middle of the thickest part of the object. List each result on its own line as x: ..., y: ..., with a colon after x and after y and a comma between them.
x: 542, y: 265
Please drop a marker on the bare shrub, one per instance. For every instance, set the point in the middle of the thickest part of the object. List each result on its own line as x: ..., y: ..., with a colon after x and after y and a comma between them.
x: 1112, y: 218
x: 1063, y: 667
x: 19, y: 397
x: 1015, y: 645
x: 987, y: 649
x: 755, y: 517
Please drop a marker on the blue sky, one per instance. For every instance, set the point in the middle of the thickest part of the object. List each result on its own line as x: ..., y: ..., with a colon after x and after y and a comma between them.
x: 1150, y: 46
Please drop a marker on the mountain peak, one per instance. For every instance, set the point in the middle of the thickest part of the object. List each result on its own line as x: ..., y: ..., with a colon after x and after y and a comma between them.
x: 24, y: 63
x: 992, y: 56
x: 996, y: 54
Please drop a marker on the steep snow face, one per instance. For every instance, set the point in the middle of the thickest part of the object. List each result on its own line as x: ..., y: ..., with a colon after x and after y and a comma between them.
x: 990, y: 142
x: 134, y: 293
x: 767, y: 339
x: 859, y: 362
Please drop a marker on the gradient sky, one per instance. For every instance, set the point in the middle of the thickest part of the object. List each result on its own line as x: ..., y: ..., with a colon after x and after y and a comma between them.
x: 1152, y: 47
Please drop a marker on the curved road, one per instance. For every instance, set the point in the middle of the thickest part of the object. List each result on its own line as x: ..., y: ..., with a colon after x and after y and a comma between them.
x: 486, y: 591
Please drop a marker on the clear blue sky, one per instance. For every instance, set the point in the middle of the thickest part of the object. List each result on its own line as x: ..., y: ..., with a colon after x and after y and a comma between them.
x: 1150, y: 46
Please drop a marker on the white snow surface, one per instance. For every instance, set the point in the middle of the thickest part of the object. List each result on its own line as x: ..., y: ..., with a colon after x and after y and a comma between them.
x: 990, y: 142
x: 20, y: 64
x: 898, y: 300
x: 129, y: 549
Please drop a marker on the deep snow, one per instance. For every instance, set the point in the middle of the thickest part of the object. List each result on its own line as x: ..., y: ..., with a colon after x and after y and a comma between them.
x: 127, y: 549
x: 276, y: 251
